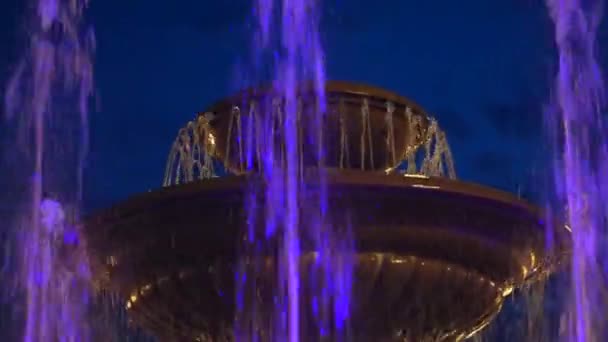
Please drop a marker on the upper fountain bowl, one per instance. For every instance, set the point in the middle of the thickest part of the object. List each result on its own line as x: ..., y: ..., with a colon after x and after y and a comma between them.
x: 364, y: 127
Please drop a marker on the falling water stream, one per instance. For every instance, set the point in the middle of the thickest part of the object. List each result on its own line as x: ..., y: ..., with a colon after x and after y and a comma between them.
x: 582, y: 161
x: 46, y: 105
x: 293, y: 210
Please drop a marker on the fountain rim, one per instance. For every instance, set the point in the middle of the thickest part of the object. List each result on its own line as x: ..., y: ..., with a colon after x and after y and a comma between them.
x: 331, y: 86
x: 334, y: 177
x: 238, y: 184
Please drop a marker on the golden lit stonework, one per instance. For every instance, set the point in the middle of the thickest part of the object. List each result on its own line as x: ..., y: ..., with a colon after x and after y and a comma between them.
x: 435, y: 257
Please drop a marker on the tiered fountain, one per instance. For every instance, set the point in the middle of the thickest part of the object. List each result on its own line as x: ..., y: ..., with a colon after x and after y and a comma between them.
x: 434, y: 258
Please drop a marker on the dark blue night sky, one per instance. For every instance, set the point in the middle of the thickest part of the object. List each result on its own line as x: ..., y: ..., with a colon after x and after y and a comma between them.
x: 482, y: 67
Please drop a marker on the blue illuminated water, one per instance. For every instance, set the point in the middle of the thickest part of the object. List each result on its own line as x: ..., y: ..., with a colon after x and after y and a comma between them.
x: 312, y: 280
x: 46, y: 104
x: 582, y: 161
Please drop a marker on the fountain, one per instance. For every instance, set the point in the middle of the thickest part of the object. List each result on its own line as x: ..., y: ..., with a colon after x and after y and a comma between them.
x: 434, y: 257
x: 378, y: 239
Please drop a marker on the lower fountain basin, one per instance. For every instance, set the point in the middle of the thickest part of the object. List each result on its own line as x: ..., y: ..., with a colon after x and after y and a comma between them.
x: 434, y: 258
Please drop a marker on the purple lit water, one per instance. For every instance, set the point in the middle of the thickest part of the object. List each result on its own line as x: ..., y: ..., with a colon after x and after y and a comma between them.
x: 583, y: 161
x: 46, y: 105
x: 293, y: 211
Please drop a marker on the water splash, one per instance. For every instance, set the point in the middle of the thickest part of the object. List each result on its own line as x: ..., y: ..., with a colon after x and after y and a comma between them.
x: 46, y: 105
x: 583, y: 162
